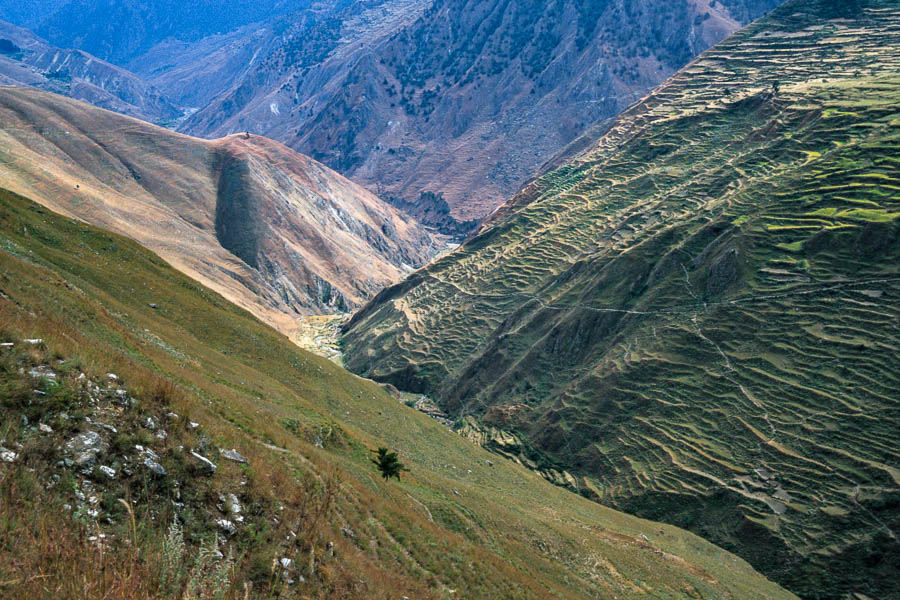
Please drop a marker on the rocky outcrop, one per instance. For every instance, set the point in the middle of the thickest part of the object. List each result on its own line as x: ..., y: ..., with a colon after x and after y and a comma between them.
x: 461, y: 100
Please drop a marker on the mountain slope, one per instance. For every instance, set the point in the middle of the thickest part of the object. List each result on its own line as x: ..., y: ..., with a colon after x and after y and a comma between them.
x: 443, y: 107
x: 272, y: 230
x: 26, y: 59
x: 458, y: 523
x: 450, y: 110
x: 699, y: 316
x: 120, y: 30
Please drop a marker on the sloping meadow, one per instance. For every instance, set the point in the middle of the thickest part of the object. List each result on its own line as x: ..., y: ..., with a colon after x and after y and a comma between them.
x: 159, y: 441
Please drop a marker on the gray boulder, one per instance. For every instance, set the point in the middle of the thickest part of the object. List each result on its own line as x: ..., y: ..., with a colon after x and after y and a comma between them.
x: 234, y: 455
x: 84, y: 448
x: 156, y: 469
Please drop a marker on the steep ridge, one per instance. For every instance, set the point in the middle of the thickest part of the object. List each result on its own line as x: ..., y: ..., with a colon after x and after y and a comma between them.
x: 198, y: 373
x: 442, y: 107
x: 449, y: 106
x: 273, y: 231
x: 122, y: 30
x: 194, y: 73
x: 699, y: 316
x: 26, y: 59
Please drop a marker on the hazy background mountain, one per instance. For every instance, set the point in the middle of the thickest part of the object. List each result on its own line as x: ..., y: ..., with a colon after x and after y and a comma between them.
x: 698, y: 318
x: 120, y: 30
x: 443, y: 107
x: 27, y: 60
x: 271, y: 230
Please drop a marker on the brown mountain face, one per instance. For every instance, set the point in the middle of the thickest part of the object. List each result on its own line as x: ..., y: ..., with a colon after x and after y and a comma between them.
x: 195, y: 73
x: 27, y: 60
x: 274, y: 231
x: 445, y: 108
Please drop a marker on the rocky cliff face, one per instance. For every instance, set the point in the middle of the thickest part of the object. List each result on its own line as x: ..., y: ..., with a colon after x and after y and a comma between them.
x: 274, y: 231
x: 461, y: 101
x: 442, y: 107
x: 26, y: 59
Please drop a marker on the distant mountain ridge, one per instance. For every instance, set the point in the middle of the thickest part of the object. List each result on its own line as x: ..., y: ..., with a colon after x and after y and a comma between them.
x: 442, y: 107
x: 27, y: 60
x: 274, y: 231
x: 464, y: 103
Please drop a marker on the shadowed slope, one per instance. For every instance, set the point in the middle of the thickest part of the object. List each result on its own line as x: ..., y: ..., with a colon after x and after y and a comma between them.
x: 700, y: 315
x: 274, y: 231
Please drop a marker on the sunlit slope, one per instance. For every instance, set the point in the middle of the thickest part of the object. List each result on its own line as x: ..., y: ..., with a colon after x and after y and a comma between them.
x: 485, y: 528
x: 272, y: 230
x: 700, y: 315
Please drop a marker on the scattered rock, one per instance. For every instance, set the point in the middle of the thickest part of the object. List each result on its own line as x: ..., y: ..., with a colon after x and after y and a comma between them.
x: 108, y: 471
x: 112, y: 376
x: 156, y: 469
x: 286, y: 563
x: 193, y: 425
x: 234, y: 455
x: 645, y: 538
x: 161, y: 434
x: 154, y: 306
x: 226, y: 526
x: 7, y: 455
x: 7, y: 345
x: 85, y: 447
x: 348, y: 532
x: 171, y: 415
x: 208, y: 464
x: 232, y: 506
x: 150, y: 423
x: 45, y: 428
x: 146, y: 451
x: 109, y: 428
x: 43, y: 372
x: 34, y: 341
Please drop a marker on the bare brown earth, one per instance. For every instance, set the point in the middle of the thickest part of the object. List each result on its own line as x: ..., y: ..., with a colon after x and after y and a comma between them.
x: 272, y: 230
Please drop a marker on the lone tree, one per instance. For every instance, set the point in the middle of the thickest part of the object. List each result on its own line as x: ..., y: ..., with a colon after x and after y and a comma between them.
x: 388, y: 463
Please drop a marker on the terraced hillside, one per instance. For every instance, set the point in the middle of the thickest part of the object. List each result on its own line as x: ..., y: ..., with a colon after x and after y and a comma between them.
x: 143, y: 394
x: 699, y: 317
x: 272, y: 230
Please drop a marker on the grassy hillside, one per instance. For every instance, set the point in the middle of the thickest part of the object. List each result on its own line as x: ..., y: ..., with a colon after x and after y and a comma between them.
x: 699, y: 316
x: 461, y: 519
